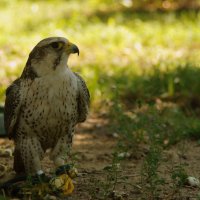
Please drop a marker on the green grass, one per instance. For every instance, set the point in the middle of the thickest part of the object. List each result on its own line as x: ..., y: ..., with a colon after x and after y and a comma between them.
x: 111, y: 42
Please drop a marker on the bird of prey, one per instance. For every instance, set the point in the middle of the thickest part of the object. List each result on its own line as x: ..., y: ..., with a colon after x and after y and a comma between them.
x: 44, y: 104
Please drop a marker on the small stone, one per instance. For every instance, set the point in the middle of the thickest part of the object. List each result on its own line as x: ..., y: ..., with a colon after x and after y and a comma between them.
x: 6, y: 152
x: 115, y: 135
x: 124, y: 155
x: 192, y: 181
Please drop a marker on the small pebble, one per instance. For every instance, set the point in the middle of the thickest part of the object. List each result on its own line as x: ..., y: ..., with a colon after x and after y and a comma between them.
x: 124, y: 155
x: 192, y: 181
x: 6, y: 152
x: 115, y: 135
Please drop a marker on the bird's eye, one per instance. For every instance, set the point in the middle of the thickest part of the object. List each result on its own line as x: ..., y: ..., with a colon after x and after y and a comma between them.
x: 57, y: 45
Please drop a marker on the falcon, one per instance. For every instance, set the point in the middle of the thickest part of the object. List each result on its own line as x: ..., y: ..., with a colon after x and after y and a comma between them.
x: 43, y: 106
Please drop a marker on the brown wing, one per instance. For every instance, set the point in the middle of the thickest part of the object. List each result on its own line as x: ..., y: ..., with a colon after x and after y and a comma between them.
x: 83, y: 99
x: 12, y: 107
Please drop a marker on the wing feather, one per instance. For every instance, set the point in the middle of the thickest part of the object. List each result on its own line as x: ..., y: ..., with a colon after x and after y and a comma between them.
x: 12, y: 107
x: 83, y: 99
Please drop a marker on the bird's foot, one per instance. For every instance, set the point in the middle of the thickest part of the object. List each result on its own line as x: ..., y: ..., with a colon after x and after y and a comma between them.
x: 62, y: 184
x: 68, y: 169
x: 63, y: 180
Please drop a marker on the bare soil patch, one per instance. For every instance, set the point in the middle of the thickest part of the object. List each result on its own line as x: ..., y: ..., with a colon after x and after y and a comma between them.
x: 93, y: 149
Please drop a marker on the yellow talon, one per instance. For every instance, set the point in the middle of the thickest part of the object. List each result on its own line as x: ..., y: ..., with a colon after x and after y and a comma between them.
x: 63, y: 183
x: 68, y: 187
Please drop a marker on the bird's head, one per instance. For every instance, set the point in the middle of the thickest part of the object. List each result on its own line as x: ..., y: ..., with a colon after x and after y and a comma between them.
x: 49, y: 54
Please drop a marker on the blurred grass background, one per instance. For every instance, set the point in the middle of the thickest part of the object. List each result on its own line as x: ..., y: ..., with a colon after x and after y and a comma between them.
x: 131, y: 52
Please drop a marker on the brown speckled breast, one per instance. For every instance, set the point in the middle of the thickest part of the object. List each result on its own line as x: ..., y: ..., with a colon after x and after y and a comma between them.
x: 50, y: 108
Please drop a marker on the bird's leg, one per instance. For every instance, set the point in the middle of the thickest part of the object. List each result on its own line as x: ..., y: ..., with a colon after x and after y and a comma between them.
x: 31, y: 154
x: 62, y: 149
x: 60, y: 152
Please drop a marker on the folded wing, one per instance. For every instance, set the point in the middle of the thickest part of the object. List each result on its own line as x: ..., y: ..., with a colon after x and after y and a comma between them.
x: 83, y: 99
x: 12, y: 108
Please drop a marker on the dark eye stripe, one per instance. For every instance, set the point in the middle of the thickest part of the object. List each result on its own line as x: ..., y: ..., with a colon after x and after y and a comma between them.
x: 55, y: 45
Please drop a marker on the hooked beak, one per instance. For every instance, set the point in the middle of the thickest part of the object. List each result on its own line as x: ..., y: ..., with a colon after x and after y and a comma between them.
x: 72, y: 48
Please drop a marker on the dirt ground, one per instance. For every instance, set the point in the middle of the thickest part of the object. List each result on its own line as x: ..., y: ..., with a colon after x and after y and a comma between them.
x: 93, y: 147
